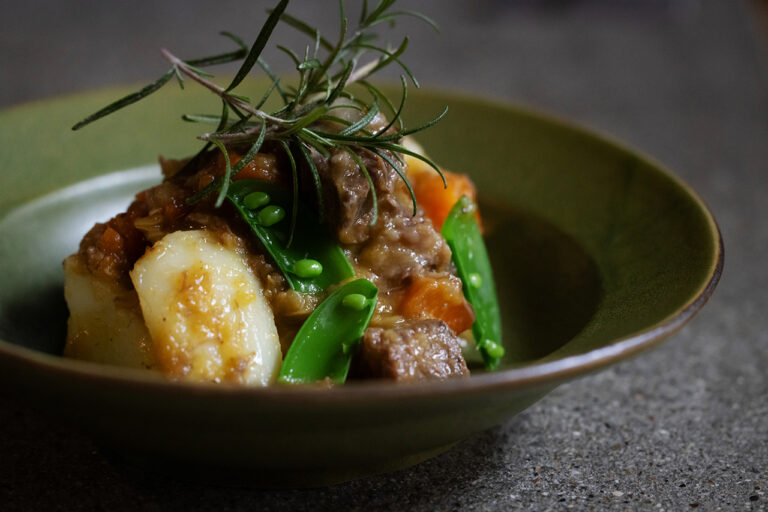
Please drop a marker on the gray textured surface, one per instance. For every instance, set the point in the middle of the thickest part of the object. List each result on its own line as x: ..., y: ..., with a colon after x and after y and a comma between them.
x: 685, y: 426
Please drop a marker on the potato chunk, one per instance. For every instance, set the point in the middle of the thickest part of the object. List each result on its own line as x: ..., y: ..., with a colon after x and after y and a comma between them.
x: 205, y: 311
x: 105, y: 323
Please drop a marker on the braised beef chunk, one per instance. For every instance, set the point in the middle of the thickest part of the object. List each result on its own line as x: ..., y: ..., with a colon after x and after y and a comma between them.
x: 346, y: 193
x: 402, y: 247
x: 419, y: 350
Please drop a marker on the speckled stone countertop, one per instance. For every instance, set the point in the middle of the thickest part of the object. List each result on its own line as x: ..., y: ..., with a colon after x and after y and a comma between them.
x: 682, y: 427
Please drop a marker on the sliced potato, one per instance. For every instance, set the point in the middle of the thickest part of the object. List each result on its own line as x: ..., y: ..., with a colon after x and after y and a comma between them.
x: 205, y: 311
x: 105, y: 323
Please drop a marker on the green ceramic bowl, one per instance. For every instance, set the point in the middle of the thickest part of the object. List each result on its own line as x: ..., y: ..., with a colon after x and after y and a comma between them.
x: 599, y: 253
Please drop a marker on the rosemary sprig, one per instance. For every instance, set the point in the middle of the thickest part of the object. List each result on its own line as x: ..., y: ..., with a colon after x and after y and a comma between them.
x: 259, y: 44
x: 157, y: 84
x: 303, y: 123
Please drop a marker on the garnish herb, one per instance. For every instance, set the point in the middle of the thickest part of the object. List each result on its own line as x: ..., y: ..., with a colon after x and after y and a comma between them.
x: 304, y: 123
x: 462, y: 233
x: 324, y: 346
x: 312, y: 262
x: 309, y: 122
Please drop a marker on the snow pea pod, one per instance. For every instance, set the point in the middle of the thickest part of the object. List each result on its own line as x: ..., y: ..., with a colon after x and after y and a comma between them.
x: 313, y: 261
x: 462, y: 233
x: 324, y: 345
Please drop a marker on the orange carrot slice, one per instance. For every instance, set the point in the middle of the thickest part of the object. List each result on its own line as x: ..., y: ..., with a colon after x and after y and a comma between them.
x: 440, y: 298
x: 436, y: 199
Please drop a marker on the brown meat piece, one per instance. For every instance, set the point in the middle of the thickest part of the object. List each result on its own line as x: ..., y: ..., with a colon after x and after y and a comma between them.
x: 403, y: 246
x: 348, y: 198
x: 419, y: 350
x: 400, y: 244
x: 353, y: 210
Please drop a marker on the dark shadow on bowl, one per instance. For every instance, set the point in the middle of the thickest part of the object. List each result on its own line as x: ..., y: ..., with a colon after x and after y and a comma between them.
x: 36, y: 318
x: 548, y: 286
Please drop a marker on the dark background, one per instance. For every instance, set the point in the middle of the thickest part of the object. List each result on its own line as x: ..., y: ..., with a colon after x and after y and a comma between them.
x: 685, y: 426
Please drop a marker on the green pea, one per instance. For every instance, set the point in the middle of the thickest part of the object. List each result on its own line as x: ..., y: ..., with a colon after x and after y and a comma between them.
x: 307, y: 268
x: 475, y: 280
x: 494, y: 349
x: 356, y: 301
x: 256, y: 200
x: 270, y: 215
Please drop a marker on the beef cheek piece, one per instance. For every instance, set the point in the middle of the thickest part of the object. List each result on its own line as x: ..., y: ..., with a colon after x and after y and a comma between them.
x: 400, y: 244
x: 413, y: 351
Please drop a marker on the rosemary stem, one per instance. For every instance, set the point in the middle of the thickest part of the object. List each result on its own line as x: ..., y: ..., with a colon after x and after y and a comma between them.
x: 241, y: 136
x: 362, y: 72
x: 229, y: 98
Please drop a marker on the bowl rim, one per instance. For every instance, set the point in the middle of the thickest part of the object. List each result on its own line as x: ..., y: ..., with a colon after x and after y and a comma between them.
x: 531, y: 375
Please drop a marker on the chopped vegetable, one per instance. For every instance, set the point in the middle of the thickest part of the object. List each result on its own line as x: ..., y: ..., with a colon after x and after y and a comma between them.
x: 258, y: 168
x: 313, y: 262
x: 439, y: 298
x: 256, y: 200
x: 462, y: 233
x: 323, y: 347
x: 270, y: 215
x: 356, y: 301
x: 307, y: 268
x: 206, y: 311
x: 437, y: 198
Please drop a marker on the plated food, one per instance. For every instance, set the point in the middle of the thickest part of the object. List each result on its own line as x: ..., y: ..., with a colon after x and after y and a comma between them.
x: 600, y: 253
x: 307, y: 242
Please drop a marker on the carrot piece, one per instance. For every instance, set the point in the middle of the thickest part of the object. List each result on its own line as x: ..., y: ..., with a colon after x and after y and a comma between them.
x: 439, y: 298
x: 122, y: 239
x: 174, y: 210
x: 111, y: 241
x: 436, y: 199
x: 262, y: 167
